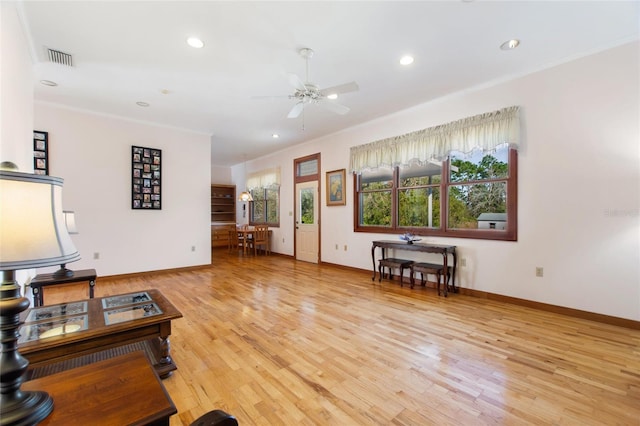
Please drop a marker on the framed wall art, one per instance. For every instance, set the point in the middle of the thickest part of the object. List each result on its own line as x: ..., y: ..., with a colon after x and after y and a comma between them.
x: 335, y: 188
x: 40, y: 152
x: 146, y: 178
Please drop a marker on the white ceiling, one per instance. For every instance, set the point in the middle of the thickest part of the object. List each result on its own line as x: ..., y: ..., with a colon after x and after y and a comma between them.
x: 125, y: 52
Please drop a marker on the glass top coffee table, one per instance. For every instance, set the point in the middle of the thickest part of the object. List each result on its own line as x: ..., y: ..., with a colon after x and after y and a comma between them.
x: 58, y: 337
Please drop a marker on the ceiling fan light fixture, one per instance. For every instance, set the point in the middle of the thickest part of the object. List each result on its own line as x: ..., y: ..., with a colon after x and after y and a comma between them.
x: 195, y: 42
x: 332, y: 96
x: 406, y: 60
x: 510, y: 44
x: 275, y: 136
x: 48, y: 83
x: 142, y: 104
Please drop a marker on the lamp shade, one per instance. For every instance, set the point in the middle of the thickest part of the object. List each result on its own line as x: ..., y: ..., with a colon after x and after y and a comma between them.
x: 245, y: 196
x: 70, y: 221
x: 33, y: 233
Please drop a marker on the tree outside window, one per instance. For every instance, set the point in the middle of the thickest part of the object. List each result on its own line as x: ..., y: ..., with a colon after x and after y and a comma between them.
x: 265, y: 207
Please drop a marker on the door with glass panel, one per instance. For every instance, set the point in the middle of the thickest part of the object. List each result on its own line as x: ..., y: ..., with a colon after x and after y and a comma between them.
x: 307, y: 230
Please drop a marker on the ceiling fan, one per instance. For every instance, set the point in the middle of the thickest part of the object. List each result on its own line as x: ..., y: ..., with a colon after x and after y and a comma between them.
x: 307, y: 93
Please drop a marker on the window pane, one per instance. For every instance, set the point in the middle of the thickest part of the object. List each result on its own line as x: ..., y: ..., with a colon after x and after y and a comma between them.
x: 479, y: 206
x: 258, y: 211
x: 417, y: 175
x: 380, y: 179
x: 376, y: 208
x: 273, y: 207
x: 306, y: 206
x: 479, y: 166
x: 419, y: 207
x: 307, y: 168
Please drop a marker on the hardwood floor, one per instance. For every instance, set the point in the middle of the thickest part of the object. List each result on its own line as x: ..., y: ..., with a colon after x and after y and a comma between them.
x: 279, y: 342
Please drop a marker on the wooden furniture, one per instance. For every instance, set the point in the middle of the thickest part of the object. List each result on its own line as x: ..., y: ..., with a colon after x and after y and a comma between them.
x: 429, y: 268
x: 119, y: 391
x: 215, y: 418
x: 394, y: 263
x: 223, y: 213
x: 45, y: 280
x: 56, y: 337
x: 444, y: 250
x: 260, y: 237
x: 247, y: 234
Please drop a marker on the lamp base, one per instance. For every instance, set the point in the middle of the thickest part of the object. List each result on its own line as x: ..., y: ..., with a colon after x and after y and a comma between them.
x: 29, y: 408
x: 63, y: 272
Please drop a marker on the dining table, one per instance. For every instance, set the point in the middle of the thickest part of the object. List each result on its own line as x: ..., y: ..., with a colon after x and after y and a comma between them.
x: 246, y: 234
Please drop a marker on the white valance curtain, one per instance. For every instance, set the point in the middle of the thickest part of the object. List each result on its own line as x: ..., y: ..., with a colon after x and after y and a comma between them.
x: 268, y: 178
x: 484, y: 131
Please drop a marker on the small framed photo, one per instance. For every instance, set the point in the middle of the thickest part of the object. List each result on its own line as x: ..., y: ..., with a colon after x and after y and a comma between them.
x: 142, y: 185
x: 335, y: 188
x: 40, y: 152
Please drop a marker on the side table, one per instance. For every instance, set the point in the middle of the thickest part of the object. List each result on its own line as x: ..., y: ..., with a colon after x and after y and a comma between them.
x: 118, y: 391
x: 44, y: 280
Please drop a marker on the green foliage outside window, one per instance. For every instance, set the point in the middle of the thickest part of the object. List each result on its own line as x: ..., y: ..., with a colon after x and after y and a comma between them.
x: 265, y: 207
x: 475, y: 184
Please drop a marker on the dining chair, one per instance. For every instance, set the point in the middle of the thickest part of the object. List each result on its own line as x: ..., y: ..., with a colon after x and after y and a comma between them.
x: 260, y: 238
x: 236, y: 241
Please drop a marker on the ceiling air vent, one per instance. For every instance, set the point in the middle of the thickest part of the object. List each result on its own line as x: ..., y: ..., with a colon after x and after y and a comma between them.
x: 61, y: 58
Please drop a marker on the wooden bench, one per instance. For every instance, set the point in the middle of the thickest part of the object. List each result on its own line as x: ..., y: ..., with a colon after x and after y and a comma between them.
x: 430, y: 268
x: 392, y: 263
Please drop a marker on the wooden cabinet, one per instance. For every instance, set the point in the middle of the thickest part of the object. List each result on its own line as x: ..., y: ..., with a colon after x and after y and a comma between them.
x: 223, y: 213
x: 223, y: 203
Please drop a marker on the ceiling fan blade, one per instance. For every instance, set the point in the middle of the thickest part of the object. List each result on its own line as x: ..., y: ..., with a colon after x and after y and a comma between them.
x: 342, y: 88
x: 296, y: 110
x: 335, y: 107
x: 296, y: 82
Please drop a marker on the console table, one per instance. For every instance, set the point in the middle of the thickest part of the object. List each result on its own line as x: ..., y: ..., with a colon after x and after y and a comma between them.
x: 119, y: 391
x: 44, y: 280
x: 58, y: 337
x: 420, y: 247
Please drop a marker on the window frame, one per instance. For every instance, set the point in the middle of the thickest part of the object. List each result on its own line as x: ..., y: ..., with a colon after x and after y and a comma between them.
x: 510, y: 233
x: 266, y: 206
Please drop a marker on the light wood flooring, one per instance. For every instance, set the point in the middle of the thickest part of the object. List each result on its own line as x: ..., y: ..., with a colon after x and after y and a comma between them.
x: 279, y: 342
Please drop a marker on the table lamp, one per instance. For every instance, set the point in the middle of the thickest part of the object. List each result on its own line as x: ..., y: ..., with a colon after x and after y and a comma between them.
x: 70, y: 224
x: 32, y: 235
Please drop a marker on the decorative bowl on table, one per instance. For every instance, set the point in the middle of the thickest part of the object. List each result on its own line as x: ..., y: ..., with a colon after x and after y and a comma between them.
x: 409, y: 238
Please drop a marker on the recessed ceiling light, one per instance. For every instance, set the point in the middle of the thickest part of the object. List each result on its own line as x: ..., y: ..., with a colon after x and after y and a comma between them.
x: 142, y: 104
x: 510, y: 44
x: 332, y: 96
x: 48, y: 83
x: 275, y: 136
x: 406, y: 60
x: 165, y: 91
x: 195, y: 42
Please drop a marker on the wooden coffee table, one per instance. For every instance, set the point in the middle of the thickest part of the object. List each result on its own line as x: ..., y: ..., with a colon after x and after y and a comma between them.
x: 58, y: 337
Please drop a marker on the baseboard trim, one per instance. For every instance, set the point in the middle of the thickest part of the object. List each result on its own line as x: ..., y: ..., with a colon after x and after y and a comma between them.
x: 576, y: 313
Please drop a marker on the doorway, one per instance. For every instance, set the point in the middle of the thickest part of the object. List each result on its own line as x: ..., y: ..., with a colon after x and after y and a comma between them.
x: 307, y: 211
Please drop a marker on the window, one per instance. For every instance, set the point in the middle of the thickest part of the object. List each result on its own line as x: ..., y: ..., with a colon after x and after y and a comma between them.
x: 479, y: 197
x: 265, y: 207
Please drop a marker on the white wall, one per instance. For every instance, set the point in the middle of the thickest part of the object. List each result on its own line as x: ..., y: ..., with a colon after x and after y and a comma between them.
x: 16, y: 91
x: 579, y: 186
x: 93, y: 155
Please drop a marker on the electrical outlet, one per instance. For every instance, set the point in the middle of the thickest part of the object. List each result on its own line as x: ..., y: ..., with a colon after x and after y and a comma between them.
x: 96, y: 256
x: 539, y: 271
x: 463, y: 261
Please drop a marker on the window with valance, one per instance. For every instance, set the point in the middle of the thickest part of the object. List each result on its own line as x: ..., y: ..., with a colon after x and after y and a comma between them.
x: 457, y: 179
x: 265, y: 191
